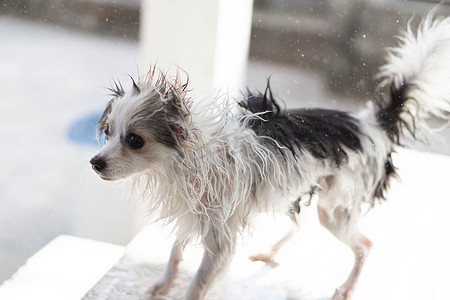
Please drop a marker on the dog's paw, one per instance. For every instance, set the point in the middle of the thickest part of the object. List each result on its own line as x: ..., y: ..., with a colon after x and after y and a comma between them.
x: 160, y: 288
x: 340, y: 294
x: 264, y: 257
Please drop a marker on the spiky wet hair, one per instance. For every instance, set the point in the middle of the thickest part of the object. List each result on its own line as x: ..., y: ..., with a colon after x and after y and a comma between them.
x: 165, y: 101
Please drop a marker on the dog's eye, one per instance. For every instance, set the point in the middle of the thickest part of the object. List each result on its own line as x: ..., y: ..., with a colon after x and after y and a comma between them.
x: 135, y: 141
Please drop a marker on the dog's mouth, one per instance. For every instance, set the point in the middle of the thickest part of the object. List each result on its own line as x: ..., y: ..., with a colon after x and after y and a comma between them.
x: 96, y: 169
x: 104, y: 177
x: 101, y: 173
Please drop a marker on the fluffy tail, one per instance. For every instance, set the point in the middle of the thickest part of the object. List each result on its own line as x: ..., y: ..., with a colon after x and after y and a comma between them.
x: 417, y: 74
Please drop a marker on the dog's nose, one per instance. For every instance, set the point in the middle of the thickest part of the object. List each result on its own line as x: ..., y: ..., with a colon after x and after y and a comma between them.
x: 98, y: 163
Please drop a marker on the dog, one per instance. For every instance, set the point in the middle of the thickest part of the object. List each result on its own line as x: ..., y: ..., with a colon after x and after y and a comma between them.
x: 210, y: 169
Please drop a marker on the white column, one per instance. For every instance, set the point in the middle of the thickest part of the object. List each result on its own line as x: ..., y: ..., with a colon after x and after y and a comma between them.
x: 209, y: 39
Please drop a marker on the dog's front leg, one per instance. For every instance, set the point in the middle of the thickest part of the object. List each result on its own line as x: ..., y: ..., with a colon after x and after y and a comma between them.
x: 162, y: 285
x: 216, y: 258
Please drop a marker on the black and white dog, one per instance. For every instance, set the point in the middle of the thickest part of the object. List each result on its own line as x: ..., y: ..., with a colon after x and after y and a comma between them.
x: 211, y: 170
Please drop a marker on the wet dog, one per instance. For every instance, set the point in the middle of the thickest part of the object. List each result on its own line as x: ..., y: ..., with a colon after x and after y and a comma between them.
x: 210, y: 169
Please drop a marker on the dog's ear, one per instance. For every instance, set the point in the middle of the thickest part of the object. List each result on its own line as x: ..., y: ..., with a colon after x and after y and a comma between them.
x: 117, y: 91
x: 179, y: 130
x: 172, y: 103
x: 177, y: 113
x: 101, y: 125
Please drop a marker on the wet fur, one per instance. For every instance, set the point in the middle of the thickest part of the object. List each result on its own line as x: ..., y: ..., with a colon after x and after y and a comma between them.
x: 211, y: 170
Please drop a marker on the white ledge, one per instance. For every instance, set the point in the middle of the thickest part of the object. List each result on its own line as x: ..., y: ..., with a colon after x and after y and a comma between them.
x: 66, y: 269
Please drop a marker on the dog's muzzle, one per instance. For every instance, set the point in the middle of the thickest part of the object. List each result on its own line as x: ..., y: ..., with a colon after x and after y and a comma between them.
x: 98, y: 163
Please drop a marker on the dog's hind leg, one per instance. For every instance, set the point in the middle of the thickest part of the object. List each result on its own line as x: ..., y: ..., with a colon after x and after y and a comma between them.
x: 268, y: 256
x: 162, y: 286
x: 341, y: 225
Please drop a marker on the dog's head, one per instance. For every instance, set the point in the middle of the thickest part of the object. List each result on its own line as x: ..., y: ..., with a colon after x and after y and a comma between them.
x: 142, y: 127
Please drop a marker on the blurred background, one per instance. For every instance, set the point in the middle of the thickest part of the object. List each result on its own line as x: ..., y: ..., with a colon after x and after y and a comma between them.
x: 57, y: 58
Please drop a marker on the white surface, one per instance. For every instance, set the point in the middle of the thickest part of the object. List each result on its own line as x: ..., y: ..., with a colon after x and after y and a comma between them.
x: 64, y: 269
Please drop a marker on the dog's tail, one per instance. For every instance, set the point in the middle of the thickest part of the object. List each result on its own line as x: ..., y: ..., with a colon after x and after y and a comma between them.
x: 417, y: 75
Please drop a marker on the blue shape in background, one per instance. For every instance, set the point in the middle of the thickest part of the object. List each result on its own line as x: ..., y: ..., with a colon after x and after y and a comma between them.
x: 84, y: 130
